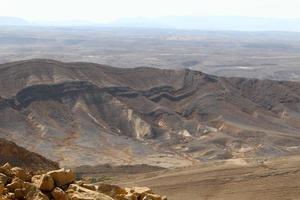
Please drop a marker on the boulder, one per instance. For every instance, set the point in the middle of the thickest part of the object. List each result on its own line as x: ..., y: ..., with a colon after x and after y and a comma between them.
x: 11, y: 195
x: 113, y: 191
x: 62, y: 177
x: 43, y: 182
x: 5, y: 169
x: 141, y: 190
x: 20, y: 189
x: 80, y: 183
x: 59, y: 194
x: 3, y: 179
x: 15, y: 184
x: 131, y: 196
x: 19, y: 194
x: 7, y: 166
x: 36, y: 195
x: 21, y: 174
x: 152, y: 197
x: 143, y: 193
x: 76, y: 192
x: 5, y: 191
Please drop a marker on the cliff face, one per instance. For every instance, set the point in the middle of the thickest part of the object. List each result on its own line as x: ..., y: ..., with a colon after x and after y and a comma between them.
x: 84, y: 113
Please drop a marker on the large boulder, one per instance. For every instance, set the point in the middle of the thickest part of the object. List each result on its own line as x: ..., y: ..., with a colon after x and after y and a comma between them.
x: 43, y: 182
x: 76, y: 192
x: 62, y: 177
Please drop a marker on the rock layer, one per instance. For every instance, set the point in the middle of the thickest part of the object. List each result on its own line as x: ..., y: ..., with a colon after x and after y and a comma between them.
x: 93, y: 114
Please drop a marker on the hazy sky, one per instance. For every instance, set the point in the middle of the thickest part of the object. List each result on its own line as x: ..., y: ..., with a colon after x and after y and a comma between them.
x: 108, y: 10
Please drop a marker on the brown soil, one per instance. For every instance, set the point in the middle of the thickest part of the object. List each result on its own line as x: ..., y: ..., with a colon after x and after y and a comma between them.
x: 277, y: 179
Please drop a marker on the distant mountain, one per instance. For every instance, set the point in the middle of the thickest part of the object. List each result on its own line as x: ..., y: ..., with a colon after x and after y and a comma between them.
x: 88, y: 114
x: 68, y: 23
x: 13, y: 21
x: 213, y: 23
x: 221, y: 23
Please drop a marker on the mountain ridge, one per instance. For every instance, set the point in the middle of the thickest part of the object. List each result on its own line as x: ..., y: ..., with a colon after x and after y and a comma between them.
x: 208, y: 23
x: 94, y: 114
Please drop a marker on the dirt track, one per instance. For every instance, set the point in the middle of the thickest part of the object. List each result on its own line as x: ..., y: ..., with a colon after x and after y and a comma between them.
x: 272, y: 180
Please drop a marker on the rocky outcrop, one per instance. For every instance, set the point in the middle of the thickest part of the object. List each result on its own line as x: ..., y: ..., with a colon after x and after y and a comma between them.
x: 62, y: 177
x: 81, y: 193
x: 17, y: 184
x: 19, y: 156
x: 45, y: 182
x: 143, y: 193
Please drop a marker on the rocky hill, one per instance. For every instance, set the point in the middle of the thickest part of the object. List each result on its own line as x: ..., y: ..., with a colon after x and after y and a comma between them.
x: 18, y: 156
x: 90, y: 114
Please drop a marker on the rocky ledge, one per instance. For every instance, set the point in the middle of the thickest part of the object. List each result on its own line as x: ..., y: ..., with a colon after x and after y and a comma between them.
x: 18, y: 184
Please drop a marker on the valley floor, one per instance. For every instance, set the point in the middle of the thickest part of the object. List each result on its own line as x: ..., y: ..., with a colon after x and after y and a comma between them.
x: 277, y: 179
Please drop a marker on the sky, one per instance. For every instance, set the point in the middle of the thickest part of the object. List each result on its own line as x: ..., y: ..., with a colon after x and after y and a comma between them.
x: 105, y: 11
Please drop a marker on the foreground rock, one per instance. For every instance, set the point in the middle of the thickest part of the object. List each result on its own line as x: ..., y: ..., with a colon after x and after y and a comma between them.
x: 17, y: 184
x: 77, y: 192
x: 62, y: 177
x: 43, y: 182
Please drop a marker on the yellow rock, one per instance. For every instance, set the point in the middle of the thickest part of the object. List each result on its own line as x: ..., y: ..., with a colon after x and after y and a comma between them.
x: 59, y: 194
x: 7, y: 166
x: 36, y: 195
x: 131, y: 196
x: 5, y: 169
x: 142, y: 190
x: 21, y: 174
x: 62, y: 177
x: 152, y: 197
x: 113, y: 191
x: 15, y: 184
x: 76, y: 192
x: 43, y: 182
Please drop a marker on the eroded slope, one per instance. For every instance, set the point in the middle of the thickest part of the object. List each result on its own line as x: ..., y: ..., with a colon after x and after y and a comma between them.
x: 92, y: 114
